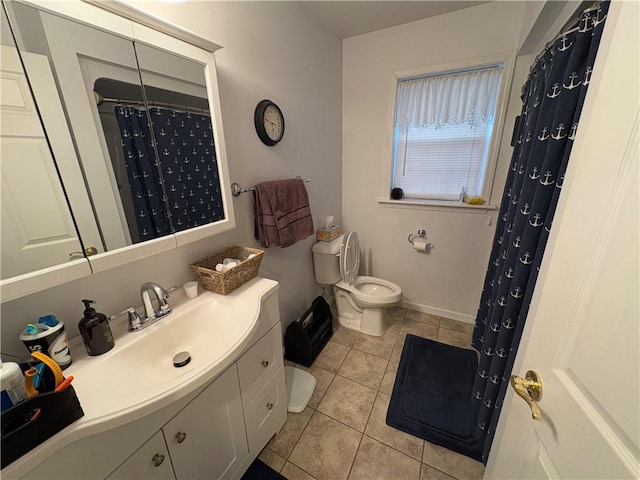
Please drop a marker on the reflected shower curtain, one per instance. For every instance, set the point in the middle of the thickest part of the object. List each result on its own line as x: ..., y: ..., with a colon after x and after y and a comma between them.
x: 143, y: 173
x: 178, y: 188
x: 552, y: 101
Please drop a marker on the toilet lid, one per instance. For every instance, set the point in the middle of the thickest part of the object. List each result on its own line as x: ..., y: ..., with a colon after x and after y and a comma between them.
x: 349, y: 257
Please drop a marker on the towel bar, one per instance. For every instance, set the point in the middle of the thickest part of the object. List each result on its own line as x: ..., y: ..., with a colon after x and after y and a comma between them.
x: 236, y: 189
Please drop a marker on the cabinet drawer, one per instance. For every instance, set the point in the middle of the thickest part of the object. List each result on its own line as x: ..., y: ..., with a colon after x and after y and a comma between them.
x: 267, y: 413
x: 259, y: 364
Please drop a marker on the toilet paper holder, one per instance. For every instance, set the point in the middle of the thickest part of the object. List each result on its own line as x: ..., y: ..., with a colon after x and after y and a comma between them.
x: 421, y: 233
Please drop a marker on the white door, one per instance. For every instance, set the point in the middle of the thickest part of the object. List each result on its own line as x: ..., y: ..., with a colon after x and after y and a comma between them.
x: 582, y: 334
x: 46, y: 95
x: 73, y: 45
x: 37, y: 228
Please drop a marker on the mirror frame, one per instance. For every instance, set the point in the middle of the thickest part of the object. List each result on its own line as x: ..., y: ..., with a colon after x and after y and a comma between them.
x: 130, y: 23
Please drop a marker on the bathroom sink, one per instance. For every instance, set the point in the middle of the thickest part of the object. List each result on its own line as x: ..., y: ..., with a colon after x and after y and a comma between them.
x: 138, y: 374
x: 202, y: 329
x: 136, y: 381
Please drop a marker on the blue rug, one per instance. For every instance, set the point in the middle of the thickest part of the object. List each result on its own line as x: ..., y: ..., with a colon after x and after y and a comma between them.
x: 258, y: 470
x: 431, y: 397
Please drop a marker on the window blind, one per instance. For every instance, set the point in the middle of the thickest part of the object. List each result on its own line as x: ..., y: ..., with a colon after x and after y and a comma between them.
x: 443, y: 132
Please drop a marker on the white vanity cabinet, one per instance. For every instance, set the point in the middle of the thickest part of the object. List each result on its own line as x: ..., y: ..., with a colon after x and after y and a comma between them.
x: 205, y: 440
x: 224, y: 428
x: 203, y: 425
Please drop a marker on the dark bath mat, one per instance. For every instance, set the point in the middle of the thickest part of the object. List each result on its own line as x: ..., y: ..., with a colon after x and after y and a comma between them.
x: 431, y: 397
x: 258, y: 470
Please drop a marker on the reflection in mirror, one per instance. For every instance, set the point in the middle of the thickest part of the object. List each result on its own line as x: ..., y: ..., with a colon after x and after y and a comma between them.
x: 38, y: 230
x: 183, y: 139
x: 108, y: 95
x: 148, y: 157
x: 93, y: 90
x: 162, y: 147
x: 77, y: 54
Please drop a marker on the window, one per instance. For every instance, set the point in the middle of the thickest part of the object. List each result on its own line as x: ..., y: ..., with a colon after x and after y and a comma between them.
x: 442, y: 133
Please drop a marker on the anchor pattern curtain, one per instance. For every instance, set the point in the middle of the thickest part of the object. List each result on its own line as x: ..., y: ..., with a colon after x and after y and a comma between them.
x: 552, y: 98
x: 175, y: 186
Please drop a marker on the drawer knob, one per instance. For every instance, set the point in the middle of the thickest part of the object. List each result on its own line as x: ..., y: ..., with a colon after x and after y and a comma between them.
x: 265, y: 363
x: 180, y: 437
x: 269, y: 406
x: 157, y: 460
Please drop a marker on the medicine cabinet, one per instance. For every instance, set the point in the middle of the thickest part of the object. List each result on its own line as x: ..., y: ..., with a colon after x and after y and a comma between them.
x: 131, y: 124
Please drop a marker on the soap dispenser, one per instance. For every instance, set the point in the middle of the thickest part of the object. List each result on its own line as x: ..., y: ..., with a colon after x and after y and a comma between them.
x: 95, y: 331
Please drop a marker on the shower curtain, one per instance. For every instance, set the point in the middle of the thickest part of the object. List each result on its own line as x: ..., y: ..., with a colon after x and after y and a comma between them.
x: 175, y: 186
x: 143, y: 174
x: 552, y: 97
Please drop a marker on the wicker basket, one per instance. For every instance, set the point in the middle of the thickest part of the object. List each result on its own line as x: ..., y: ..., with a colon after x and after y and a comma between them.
x: 226, y: 282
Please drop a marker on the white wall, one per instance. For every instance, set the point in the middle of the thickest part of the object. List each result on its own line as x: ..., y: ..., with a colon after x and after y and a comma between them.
x: 272, y: 50
x: 448, y: 280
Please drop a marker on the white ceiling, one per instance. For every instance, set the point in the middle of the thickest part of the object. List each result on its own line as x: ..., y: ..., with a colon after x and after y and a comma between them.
x: 349, y: 18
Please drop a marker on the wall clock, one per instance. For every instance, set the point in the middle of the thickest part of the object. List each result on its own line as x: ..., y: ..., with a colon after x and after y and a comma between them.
x: 269, y: 122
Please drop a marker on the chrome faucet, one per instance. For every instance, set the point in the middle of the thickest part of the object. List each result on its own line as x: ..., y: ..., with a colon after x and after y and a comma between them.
x: 161, y: 294
x: 150, y: 314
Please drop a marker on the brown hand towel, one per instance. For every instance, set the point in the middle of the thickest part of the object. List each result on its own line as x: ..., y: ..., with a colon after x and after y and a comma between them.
x: 283, y: 216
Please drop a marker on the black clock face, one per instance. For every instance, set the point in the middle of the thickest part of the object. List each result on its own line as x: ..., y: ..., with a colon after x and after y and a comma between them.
x: 269, y: 122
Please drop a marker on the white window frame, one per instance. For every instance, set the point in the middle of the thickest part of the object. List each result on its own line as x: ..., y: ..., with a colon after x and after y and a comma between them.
x: 507, y: 59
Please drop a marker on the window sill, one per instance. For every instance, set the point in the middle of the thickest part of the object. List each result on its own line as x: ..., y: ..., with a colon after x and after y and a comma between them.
x: 437, y: 205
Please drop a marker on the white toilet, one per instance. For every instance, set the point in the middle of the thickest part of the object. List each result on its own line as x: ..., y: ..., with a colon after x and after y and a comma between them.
x: 361, y: 301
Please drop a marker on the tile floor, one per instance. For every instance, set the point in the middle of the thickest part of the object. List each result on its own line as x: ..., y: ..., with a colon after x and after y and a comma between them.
x: 342, y: 433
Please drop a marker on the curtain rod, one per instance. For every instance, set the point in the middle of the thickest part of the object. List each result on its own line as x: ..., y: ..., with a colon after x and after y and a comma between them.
x: 574, y: 21
x: 571, y: 26
x: 100, y: 100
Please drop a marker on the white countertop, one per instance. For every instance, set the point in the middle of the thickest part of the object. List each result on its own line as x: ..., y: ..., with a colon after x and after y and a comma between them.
x: 137, y: 376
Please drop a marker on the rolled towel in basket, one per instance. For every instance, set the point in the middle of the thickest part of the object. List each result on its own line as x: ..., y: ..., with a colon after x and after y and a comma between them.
x: 282, y: 211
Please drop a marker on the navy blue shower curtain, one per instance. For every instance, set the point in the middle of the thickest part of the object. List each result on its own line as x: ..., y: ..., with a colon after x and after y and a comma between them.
x: 175, y: 186
x: 143, y: 173
x: 552, y: 101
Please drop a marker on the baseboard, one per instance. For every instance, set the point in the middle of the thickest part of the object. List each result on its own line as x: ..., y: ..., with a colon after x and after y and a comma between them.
x: 439, y: 312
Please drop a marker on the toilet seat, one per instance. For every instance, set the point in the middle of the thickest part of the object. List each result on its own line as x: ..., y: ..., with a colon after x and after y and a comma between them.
x: 372, y: 291
x: 349, y: 257
x: 366, y: 291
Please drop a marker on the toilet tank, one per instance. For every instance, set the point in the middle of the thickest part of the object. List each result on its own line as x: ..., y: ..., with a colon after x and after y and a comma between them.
x: 326, y: 262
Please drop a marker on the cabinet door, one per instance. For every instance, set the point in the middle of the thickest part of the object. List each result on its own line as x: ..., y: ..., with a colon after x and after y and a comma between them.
x: 267, y: 413
x: 207, y: 439
x: 151, y: 461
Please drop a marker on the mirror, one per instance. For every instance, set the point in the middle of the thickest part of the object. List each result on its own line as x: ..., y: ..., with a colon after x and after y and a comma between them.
x: 38, y: 229
x: 144, y: 157
x: 181, y: 141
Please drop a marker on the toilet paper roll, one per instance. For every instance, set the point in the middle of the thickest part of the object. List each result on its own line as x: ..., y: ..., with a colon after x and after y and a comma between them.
x: 420, y: 244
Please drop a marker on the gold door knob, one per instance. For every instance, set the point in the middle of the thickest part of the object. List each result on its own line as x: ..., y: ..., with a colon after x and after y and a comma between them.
x: 530, y: 389
x: 87, y: 252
